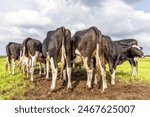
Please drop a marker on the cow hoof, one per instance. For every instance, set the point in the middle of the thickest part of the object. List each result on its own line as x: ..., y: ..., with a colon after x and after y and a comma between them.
x: 112, y: 83
x: 69, y: 87
x: 102, y: 91
x: 31, y: 80
x: 53, y: 90
x: 89, y: 87
x: 48, y: 79
x: 49, y: 93
x: 105, y: 87
x: 40, y: 73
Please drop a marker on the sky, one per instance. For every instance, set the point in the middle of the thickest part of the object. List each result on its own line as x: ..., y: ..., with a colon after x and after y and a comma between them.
x: 119, y: 19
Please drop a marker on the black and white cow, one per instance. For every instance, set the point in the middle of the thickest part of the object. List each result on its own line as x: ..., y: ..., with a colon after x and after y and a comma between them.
x: 57, y: 48
x: 86, y: 46
x: 13, y: 52
x: 31, y: 53
x: 116, y: 52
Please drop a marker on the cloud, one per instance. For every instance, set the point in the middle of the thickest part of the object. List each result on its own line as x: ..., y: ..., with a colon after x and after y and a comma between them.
x: 116, y: 18
x: 131, y: 1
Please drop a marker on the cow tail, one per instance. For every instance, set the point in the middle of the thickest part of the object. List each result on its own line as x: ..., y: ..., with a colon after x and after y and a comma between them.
x: 72, y: 48
x: 25, y: 50
x: 98, y: 41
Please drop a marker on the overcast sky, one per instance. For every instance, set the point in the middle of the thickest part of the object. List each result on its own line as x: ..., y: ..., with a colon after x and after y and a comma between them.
x: 119, y: 19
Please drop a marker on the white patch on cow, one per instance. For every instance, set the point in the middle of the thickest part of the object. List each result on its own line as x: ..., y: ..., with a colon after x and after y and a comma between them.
x: 136, y: 58
x: 33, y: 64
x: 63, y: 51
x: 95, y: 79
x: 69, y: 71
x: 77, y: 52
x: 78, y: 58
x: 89, y: 72
x: 97, y: 56
x: 8, y: 65
x: 103, y: 73
x: 102, y: 70
x: 54, y: 73
x: 47, y: 66
x: 44, y: 69
x: 135, y: 46
x: 134, y: 72
x: 14, y: 66
x: 40, y: 66
x: 64, y: 74
x: 113, y: 77
x: 25, y: 64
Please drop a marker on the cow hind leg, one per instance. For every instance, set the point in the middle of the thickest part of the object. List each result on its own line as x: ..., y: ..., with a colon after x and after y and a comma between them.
x: 23, y: 68
x: 28, y: 67
x: 40, y: 66
x: 64, y: 77
x: 47, y: 67
x: 33, y: 64
x: 103, y: 74
x: 113, y: 77
x: 134, y: 69
x: 69, y: 71
x: 14, y: 66
x: 8, y: 65
x: 44, y: 69
x: 54, y: 72
x: 134, y: 64
x: 95, y: 78
x: 89, y: 72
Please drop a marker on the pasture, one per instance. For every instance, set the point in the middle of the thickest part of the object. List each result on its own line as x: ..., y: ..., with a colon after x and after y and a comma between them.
x: 19, y: 87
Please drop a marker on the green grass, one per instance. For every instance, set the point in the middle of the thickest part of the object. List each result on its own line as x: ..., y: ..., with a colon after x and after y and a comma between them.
x: 124, y: 71
x: 11, y: 85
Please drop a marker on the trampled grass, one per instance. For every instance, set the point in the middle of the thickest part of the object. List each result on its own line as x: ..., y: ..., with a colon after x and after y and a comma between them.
x: 16, y: 85
x: 11, y: 85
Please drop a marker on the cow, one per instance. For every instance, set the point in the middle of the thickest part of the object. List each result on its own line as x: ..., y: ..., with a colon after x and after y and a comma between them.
x: 134, y: 59
x: 13, y: 52
x: 116, y: 52
x: 57, y: 48
x: 86, y: 48
x: 31, y: 53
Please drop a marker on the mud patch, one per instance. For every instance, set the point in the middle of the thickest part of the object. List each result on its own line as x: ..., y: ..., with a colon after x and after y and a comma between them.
x: 40, y: 90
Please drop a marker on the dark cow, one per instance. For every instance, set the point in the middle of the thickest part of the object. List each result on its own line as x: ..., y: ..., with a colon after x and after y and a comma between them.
x: 86, y: 46
x: 31, y: 52
x: 116, y: 52
x: 57, y: 48
x: 13, y: 52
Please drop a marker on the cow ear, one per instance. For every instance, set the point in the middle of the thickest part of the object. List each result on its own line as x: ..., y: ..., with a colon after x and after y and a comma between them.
x: 141, y: 48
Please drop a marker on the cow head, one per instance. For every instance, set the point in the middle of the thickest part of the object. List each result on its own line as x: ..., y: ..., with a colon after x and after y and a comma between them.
x: 136, y: 51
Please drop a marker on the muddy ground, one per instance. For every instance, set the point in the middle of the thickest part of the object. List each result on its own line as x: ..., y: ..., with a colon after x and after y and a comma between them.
x: 40, y: 90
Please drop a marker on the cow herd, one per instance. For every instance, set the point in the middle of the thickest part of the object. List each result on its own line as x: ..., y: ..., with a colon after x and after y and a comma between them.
x: 88, y: 47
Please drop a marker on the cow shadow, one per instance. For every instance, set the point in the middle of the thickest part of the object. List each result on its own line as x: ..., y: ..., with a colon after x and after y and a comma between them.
x: 77, y: 76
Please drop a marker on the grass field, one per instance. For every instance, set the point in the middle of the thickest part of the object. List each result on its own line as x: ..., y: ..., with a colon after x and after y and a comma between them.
x: 11, y: 86
x: 124, y: 70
